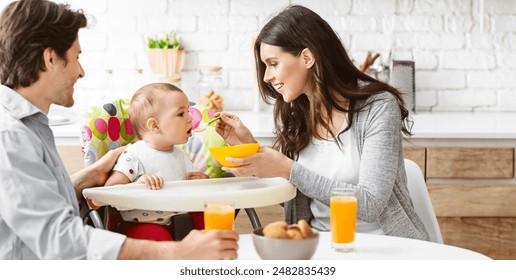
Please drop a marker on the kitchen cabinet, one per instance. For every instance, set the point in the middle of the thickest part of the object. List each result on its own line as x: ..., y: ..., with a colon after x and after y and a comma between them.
x: 417, y: 155
x: 470, y: 163
x: 473, y: 193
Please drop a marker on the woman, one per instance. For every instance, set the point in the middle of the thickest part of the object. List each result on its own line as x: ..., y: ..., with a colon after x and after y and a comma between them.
x: 336, y: 127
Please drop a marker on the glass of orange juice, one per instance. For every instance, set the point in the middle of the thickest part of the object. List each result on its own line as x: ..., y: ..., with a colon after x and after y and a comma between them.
x: 219, y: 216
x: 343, y: 219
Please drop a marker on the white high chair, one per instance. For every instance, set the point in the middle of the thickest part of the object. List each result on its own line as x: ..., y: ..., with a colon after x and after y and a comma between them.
x: 421, y: 200
x: 108, y: 127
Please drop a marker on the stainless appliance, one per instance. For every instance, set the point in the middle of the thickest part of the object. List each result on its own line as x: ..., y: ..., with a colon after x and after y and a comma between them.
x: 402, y: 76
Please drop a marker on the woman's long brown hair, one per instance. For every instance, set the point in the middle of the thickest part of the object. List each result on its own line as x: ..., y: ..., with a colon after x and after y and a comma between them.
x: 335, y: 79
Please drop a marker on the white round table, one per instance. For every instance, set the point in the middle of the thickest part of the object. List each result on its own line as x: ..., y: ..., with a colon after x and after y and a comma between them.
x: 375, y: 247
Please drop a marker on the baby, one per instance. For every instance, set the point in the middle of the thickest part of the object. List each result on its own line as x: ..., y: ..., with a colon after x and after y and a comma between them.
x: 160, y: 118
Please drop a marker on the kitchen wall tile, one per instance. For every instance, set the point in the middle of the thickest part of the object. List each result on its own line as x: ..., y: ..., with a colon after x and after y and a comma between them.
x: 463, y: 99
x: 509, y: 41
x: 120, y: 60
x: 433, y: 7
x: 405, y: 40
x: 501, y: 79
x: 460, y: 23
x: 481, y: 41
x: 241, y: 79
x: 198, y: 7
x: 94, y: 79
x: 241, y: 41
x: 372, y: 7
x: 441, y: 41
x: 327, y: 7
x: 241, y: 60
x: 465, y: 60
x: 457, y: 48
x: 91, y: 40
x: 151, y: 26
x: 252, y: 7
x: 243, y: 23
x: 121, y: 23
x: 505, y: 23
x: 371, y: 42
x: 506, y: 60
x: 440, y: 80
x: 426, y: 99
x: 93, y: 60
x: 360, y: 23
x: 413, y: 23
x: 426, y: 60
x: 151, y: 8
x: 506, y: 100
x: 205, y: 41
x: 96, y: 7
x: 218, y: 24
x: 500, y: 7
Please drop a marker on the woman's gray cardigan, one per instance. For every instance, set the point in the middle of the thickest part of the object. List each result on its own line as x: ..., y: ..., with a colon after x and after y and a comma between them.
x: 382, y: 185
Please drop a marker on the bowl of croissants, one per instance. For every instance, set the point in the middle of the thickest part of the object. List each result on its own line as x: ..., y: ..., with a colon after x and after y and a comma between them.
x: 280, y: 241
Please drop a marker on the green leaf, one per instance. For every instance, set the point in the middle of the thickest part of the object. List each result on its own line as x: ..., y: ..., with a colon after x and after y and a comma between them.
x: 164, y: 43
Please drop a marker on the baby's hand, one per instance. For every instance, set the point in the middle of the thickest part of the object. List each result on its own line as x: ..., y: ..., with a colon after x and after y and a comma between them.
x: 196, y: 176
x: 154, y: 182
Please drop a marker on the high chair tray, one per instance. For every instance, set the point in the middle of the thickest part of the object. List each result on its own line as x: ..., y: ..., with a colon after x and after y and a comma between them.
x: 190, y: 195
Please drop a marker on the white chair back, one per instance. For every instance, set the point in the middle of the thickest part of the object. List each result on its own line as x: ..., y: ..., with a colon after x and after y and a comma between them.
x: 421, y: 200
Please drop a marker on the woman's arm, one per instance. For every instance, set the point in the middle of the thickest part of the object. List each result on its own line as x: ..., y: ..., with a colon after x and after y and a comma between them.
x: 266, y: 163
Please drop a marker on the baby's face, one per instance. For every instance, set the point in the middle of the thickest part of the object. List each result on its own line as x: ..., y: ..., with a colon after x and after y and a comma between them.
x: 174, y: 120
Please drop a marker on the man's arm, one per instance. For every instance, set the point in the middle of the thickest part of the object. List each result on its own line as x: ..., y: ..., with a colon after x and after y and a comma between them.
x: 95, y: 174
x: 198, y: 245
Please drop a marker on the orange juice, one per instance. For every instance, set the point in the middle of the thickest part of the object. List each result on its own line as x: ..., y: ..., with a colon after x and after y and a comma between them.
x: 219, y: 216
x: 343, y: 218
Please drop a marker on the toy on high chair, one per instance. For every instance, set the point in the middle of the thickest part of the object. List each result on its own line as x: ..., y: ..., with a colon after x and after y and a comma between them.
x: 108, y: 127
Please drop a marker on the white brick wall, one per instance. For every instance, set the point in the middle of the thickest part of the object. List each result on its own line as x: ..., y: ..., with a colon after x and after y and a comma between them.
x: 459, y: 67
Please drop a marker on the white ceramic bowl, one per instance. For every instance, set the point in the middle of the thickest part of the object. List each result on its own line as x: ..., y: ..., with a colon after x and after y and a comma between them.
x: 284, y: 249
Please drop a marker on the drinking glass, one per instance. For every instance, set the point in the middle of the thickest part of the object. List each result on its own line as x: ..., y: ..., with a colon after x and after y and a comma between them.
x: 219, y: 216
x: 343, y: 219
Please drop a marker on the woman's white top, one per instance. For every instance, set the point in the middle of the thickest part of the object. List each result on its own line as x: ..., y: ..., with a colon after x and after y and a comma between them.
x: 326, y: 158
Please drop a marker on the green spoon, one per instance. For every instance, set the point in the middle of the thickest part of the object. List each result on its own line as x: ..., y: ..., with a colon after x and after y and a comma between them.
x: 214, y: 120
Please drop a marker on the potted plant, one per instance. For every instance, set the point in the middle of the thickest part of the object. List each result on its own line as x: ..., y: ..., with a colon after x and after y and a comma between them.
x: 166, y: 56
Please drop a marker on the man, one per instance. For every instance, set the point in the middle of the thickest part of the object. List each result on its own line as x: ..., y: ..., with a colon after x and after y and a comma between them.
x: 39, y: 213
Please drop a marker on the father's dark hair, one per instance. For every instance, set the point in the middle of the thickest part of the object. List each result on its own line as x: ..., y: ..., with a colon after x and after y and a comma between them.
x: 27, y: 28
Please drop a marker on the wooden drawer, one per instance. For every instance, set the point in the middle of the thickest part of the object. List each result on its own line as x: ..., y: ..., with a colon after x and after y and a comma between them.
x: 470, y: 163
x: 417, y: 155
x: 491, y: 236
x: 473, y: 200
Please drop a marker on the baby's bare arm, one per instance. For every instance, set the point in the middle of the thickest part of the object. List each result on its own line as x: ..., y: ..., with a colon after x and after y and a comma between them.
x: 116, y: 178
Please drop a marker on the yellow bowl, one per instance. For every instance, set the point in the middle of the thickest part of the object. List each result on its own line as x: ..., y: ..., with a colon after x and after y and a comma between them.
x: 237, y: 151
